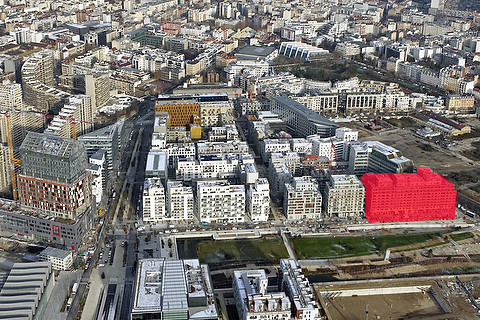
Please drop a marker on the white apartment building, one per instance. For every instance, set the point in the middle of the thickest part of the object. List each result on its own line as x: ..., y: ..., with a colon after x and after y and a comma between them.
x: 208, y: 166
x: 179, y: 201
x: 60, y: 259
x: 344, y: 197
x: 301, y: 146
x: 358, y: 158
x: 153, y: 200
x: 357, y: 102
x: 278, y: 176
x: 218, y: 201
x: 225, y: 133
x: 335, y: 148
x: 254, y: 302
x: 320, y: 103
x: 235, y: 146
x: 211, y: 111
x: 258, y: 200
x: 302, y: 199
x: 181, y: 150
x: 296, y: 285
x: 270, y: 146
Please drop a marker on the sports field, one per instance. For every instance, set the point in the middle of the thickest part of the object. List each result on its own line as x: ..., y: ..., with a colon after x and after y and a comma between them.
x: 339, y: 247
x: 269, y: 249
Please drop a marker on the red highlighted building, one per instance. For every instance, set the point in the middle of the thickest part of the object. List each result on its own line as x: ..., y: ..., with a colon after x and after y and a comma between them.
x: 392, y: 197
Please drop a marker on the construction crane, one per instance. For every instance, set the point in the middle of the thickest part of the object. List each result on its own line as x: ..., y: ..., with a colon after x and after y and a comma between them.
x: 334, y: 152
x: 14, y: 162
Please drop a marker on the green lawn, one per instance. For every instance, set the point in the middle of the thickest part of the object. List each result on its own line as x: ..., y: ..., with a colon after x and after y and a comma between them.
x: 461, y: 236
x: 338, y: 247
x: 241, y: 250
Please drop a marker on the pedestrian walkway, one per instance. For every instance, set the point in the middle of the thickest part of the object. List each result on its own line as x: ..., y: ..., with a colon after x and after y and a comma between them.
x: 94, y: 295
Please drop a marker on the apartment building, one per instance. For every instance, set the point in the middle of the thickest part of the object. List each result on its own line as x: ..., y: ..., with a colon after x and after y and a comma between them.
x: 325, y: 103
x: 293, y: 282
x: 270, y: 146
x: 75, y: 118
x: 11, y: 96
x: 254, y: 302
x: 344, y: 197
x: 235, y: 146
x: 458, y: 103
x: 38, y: 82
x: 302, y: 199
x: 53, y: 178
x: 5, y: 170
x: 180, y: 201
x: 218, y: 202
x: 153, y: 201
x: 258, y: 200
x: 220, y: 166
x: 210, y: 112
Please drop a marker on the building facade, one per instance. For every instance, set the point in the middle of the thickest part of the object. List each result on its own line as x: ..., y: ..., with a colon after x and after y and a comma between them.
x: 392, y: 197
x: 219, y: 202
x: 344, y: 197
x: 302, y: 199
x: 258, y: 200
x: 53, y: 179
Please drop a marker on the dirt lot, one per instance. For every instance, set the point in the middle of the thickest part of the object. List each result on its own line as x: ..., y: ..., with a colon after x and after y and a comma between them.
x: 384, y: 306
x: 450, y: 162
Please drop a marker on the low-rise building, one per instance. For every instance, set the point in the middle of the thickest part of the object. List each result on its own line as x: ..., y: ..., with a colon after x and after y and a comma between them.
x: 254, y: 302
x: 60, y: 259
x: 297, y: 287
x: 173, y: 289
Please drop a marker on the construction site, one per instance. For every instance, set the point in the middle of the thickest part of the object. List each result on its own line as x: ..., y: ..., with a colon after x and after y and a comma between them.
x: 445, y: 297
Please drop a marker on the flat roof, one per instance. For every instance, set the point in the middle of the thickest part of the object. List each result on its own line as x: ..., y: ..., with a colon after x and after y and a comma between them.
x: 301, y: 109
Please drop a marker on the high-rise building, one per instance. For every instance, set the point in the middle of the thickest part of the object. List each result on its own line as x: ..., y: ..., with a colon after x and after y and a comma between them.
x: 218, y: 201
x: 74, y: 119
x: 408, y: 196
x: 302, y: 199
x: 344, y: 197
x: 258, y: 200
x: 11, y: 96
x: 173, y: 289
x: 154, y: 204
x: 297, y: 287
x: 107, y: 138
x: 254, y: 302
x: 5, y: 169
x: 38, y: 83
x: 179, y: 201
x: 53, y: 179
x: 97, y: 86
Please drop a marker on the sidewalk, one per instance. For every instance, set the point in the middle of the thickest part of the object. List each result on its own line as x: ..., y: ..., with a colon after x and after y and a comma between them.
x: 94, y: 296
